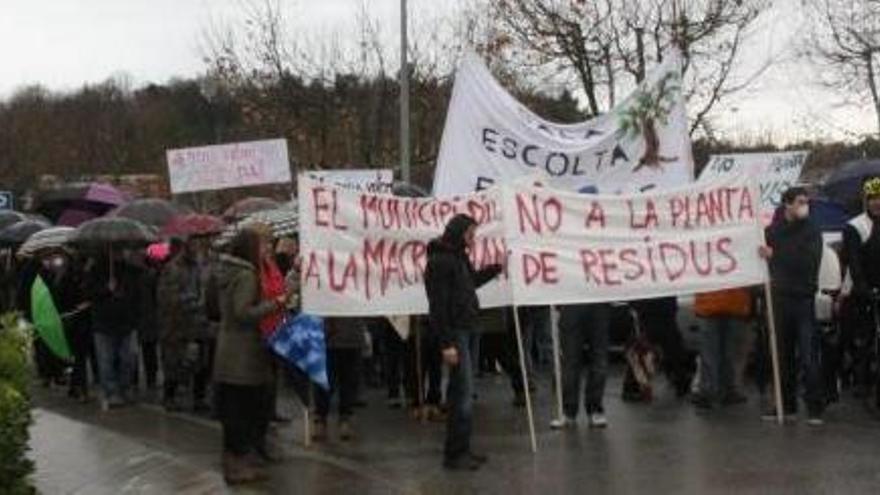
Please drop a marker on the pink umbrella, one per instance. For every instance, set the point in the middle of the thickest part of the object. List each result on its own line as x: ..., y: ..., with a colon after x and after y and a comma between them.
x: 193, y: 224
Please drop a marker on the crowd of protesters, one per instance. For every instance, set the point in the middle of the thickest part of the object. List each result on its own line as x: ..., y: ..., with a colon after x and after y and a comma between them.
x: 196, y: 322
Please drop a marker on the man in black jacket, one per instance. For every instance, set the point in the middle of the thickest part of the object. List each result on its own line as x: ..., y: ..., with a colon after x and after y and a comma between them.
x: 795, y: 252
x: 451, y: 284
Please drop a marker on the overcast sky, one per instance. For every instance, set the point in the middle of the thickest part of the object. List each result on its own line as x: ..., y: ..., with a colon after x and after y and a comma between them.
x: 63, y: 44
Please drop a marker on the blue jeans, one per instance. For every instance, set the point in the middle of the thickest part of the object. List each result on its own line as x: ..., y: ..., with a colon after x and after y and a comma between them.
x: 584, y: 325
x: 460, y: 399
x: 720, y: 339
x: 799, y: 350
x: 116, y: 360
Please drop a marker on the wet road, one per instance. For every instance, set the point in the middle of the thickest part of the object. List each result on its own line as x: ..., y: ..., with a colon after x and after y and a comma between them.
x: 665, y: 447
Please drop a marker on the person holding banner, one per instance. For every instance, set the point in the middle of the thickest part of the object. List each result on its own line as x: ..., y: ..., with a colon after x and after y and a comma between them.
x: 451, y: 284
x: 794, y: 251
x: 584, y: 325
x: 724, y: 314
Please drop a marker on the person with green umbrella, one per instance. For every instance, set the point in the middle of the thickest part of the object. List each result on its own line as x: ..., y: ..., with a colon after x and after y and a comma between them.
x: 36, y: 298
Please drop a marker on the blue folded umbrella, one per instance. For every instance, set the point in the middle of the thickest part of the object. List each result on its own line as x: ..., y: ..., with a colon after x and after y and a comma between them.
x: 299, y: 340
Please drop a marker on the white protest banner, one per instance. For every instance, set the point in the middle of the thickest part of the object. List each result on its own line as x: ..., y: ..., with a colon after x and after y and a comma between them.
x: 365, y: 253
x: 775, y: 171
x: 491, y: 138
x: 575, y: 248
x: 379, y: 180
x: 226, y: 166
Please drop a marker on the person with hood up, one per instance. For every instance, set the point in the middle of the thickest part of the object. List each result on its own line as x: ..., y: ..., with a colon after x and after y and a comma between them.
x: 861, y: 263
x: 794, y: 251
x: 243, y: 364
x: 451, y: 284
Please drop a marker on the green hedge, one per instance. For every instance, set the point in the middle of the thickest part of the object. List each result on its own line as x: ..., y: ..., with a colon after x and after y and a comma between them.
x: 15, y: 410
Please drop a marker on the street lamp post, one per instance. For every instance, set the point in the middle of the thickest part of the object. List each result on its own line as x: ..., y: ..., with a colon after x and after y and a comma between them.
x: 404, y: 97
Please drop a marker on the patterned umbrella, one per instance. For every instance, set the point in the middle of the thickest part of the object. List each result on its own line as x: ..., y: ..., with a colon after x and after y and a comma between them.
x: 193, y: 224
x: 95, y: 198
x: 16, y: 234
x: 112, y: 231
x: 152, y: 212
x: 45, y: 240
x: 10, y: 217
x: 282, y: 221
x: 249, y: 206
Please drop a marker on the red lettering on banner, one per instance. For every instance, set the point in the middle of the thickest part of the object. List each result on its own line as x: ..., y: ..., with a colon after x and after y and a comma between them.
x: 373, y: 255
x: 349, y: 273
x: 630, y: 257
x: 680, y: 208
x: 547, y: 214
x: 336, y: 224
x: 668, y: 252
x: 531, y: 268
x: 716, y: 206
x: 322, y: 207
x: 648, y: 220
x: 651, y: 259
x: 608, y: 267
x: 723, y: 248
x: 388, y: 261
x: 312, y: 271
x: 746, y: 210
x: 595, y: 215
x: 704, y: 213
x: 542, y: 266
x: 446, y: 210
x: 590, y: 262
x: 705, y: 269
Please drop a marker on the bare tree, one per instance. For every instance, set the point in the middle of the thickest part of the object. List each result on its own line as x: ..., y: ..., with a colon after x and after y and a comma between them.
x: 844, y: 41
x: 599, y: 43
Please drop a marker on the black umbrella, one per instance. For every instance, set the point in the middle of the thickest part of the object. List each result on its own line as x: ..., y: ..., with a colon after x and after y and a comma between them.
x: 17, y: 233
x: 112, y: 231
x: 844, y: 185
x: 10, y: 217
x: 153, y: 212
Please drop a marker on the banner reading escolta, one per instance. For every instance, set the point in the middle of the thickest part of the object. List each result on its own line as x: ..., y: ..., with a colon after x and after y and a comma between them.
x: 490, y: 138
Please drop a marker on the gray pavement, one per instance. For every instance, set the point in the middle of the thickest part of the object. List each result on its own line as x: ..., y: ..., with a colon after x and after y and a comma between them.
x: 665, y: 447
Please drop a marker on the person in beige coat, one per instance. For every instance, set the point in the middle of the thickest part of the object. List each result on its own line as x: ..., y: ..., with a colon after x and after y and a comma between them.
x: 243, y: 364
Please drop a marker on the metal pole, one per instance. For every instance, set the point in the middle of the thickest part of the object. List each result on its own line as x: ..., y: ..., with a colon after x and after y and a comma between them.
x: 404, y: 97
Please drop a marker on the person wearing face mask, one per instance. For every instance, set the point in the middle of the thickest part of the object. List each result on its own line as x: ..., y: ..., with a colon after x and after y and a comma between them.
x: 794, y: 252
x: 451, y: 284
x: 50, y: 368
x: 64, y: 278
x: 861, y: 263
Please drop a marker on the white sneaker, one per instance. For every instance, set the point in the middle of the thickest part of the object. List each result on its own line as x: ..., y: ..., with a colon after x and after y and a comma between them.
x: 563, y: 424
x: 598, y: 420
